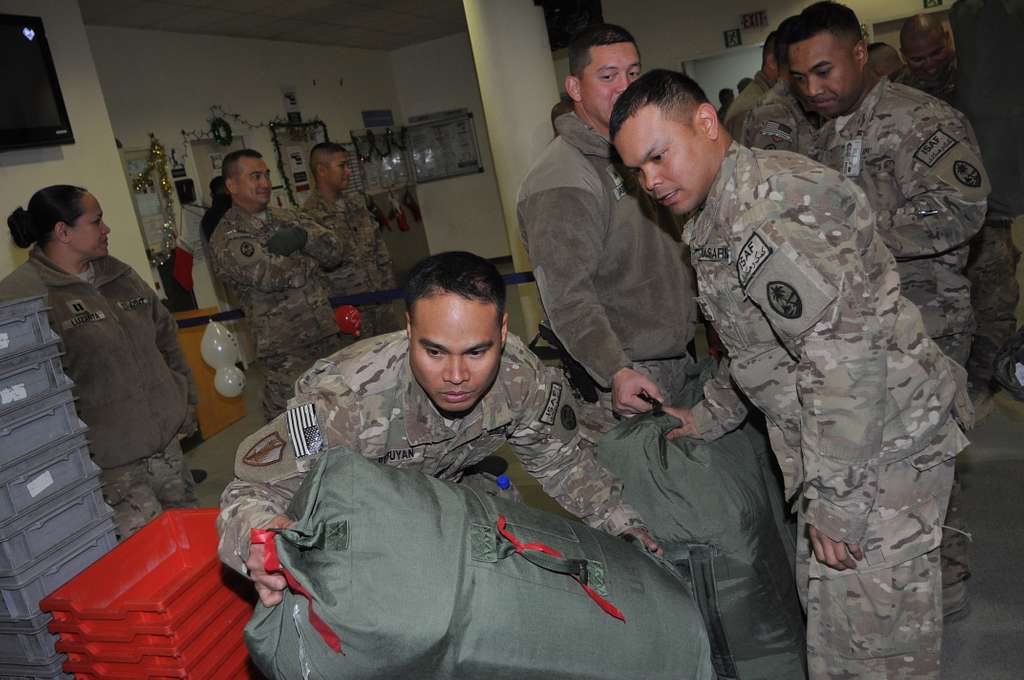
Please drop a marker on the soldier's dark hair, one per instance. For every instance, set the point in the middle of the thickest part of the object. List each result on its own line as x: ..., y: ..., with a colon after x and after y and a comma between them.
x: 595, y: 35
x: 320, y: 153
x: 467, y: 275
x: 672, y: 92
x: 782, y: 40
x: 229, y: 167
x: 47, y: 207
x: 837, y: 19
x: 768, y: 49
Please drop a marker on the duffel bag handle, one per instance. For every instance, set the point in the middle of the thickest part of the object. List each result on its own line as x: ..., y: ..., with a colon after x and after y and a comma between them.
x: 546, y: 557
x: 272, y: 565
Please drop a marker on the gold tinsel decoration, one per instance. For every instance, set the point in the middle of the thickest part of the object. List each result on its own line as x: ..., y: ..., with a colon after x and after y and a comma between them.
x: 143, y: 183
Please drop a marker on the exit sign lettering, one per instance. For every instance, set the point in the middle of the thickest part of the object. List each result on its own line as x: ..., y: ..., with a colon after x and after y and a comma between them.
x: 759, y: 19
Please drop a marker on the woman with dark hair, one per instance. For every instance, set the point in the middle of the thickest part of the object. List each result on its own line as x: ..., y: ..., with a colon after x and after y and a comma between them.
x: 132, y: 383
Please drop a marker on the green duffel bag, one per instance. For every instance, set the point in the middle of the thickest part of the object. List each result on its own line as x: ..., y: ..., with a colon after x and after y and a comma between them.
x: 394, y: 574
x: 711, y: 505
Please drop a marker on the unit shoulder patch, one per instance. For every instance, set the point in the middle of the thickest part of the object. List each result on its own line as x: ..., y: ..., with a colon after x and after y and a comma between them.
x: 967, y: 174
x: 266, y: 451
x: 784, y: 299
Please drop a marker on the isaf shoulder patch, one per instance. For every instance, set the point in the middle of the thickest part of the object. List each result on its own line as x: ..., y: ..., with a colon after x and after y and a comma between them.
x: 551, y: 407
x: 755, y: 252
x: 934, y: 148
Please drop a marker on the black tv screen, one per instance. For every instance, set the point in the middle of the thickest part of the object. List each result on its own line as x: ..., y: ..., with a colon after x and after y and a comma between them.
x: 32, y: 109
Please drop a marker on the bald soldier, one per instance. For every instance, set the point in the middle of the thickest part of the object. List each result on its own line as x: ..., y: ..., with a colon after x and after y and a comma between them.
x: 272, y: 260
x: 931, y: 60
x: 806, y: 298
x: 438, y: 397
x: 780, y: 120
x: 365, y: 261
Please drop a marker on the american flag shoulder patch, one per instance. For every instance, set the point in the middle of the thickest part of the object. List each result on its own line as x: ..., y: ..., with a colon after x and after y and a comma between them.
x: 307, y: 440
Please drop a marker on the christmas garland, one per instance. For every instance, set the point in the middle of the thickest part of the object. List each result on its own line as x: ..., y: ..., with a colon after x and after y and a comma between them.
x: 142, y: 183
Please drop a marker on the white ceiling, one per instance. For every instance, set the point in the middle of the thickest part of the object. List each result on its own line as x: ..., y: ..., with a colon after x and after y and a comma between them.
x: 370, y: 24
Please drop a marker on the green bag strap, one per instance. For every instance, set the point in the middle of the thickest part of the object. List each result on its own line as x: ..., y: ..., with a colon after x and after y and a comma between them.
x: 548, y: 558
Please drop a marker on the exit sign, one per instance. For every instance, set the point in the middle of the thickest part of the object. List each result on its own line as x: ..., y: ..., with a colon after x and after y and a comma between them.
x: 732, y: 37
x: 759, y: 19
x: 929, y: 4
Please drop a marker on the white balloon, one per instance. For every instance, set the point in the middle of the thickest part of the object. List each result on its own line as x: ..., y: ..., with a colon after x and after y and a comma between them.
x: 229, y: 381
x: 218, y: 347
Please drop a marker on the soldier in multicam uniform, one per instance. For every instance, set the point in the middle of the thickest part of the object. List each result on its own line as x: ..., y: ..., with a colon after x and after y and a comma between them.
x: 272, y: 259
x: 779, y: 120
x: 915, y: 157
x: 806, y: 298
x: 366, y: 263
x: 439, y: 399
x: 917, y: 160
x: 992, y: 266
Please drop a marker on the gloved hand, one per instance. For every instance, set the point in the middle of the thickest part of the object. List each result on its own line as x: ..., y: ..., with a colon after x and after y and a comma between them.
x: 287, y: 241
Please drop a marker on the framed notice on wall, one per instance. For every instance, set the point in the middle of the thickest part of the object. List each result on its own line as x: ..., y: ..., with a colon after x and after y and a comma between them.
x: 443, y: 145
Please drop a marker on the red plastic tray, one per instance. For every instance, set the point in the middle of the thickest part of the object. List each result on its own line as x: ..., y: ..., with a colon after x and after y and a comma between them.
x: 145, y: 578
x: 201, y: 660
x: 199, y: 605
x: 212, y: 622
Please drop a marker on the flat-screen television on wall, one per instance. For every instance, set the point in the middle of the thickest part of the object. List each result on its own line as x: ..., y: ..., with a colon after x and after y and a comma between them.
x: 32, y: 111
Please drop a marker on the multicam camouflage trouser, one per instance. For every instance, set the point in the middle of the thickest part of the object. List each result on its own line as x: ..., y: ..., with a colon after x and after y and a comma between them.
x: 992, y: 269
x: 882, y: 620
x: 282, y: 370
x: 141, y: 490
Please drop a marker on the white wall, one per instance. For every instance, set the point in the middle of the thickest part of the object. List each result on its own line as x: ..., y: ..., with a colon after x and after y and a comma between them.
x: 462, y: 213
x: 725, y: 70
x: 92, y: 161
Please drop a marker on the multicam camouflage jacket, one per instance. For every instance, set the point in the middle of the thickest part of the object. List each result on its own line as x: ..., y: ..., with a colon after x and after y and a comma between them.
x: 284, y: 297
x: 778, y: 121
x: 365, y: 263
x: 917, y: 159
x: 806, y: 298
x: 943, y: 87
x: 365, y: 399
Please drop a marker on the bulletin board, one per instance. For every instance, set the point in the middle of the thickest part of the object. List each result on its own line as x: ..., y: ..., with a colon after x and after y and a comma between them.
x: 444, y: 145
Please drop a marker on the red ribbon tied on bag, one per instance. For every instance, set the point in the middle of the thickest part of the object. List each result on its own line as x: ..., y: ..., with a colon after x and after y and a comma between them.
x: 272, y: 565
x: 520, y: 547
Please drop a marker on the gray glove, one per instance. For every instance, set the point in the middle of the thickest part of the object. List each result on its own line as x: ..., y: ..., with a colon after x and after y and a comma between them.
x: 287, y: 241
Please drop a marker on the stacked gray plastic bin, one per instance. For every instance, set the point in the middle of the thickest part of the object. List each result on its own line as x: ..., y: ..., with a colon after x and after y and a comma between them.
x: 53, y: 521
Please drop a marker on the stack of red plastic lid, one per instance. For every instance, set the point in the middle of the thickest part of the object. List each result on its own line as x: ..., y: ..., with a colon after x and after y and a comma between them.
x: 160, y: 605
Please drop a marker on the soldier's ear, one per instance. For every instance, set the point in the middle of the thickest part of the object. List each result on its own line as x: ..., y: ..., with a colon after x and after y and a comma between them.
x: 408, y: 324
x: 504, y: 328
x: 572, y: 88
x: 860, y: 53
x: 705, y: 120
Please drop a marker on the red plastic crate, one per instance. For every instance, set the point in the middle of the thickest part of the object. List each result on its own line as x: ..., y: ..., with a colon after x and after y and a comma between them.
x: 147, y: 578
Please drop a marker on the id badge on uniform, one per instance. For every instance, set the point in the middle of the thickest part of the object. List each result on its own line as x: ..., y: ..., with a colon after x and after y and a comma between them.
x: 851, y: 157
